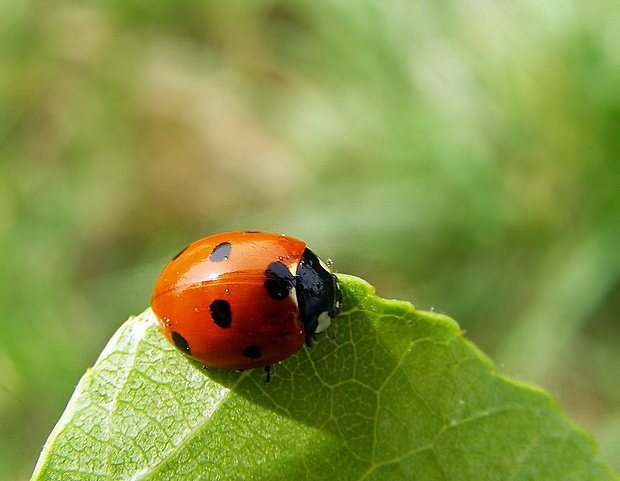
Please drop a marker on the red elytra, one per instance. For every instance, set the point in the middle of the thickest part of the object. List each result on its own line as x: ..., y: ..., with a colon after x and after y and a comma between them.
x: 243, y: 300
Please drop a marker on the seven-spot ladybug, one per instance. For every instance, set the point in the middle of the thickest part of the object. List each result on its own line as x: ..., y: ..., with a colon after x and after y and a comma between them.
x: 243, y: 300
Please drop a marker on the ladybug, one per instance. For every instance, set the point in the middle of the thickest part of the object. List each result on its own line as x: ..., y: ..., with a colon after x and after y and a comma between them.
x: 243, y: 300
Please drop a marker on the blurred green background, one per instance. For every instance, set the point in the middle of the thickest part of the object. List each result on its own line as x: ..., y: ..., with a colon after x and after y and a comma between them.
x: 461, y: 155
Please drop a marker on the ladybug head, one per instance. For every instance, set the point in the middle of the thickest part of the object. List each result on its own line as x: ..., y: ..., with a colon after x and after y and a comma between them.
x: 318, y: 294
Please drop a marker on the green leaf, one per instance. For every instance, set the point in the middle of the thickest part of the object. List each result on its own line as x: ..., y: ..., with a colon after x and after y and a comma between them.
x: 396, y: 394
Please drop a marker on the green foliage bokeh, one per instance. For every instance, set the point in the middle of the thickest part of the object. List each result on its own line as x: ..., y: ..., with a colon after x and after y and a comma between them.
x: 463, y: 156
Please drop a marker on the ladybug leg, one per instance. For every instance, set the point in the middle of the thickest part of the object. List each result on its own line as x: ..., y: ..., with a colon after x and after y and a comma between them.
x: 310, y: 339
x: 268, y: 373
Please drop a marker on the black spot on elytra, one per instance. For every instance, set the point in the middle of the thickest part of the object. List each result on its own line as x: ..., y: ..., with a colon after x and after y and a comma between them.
x: 180, y: 342
x: 279, y: 281
x: 180, y: 253
x: 253, y: 352
x: 221, y: 313
x: 221, y: 252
